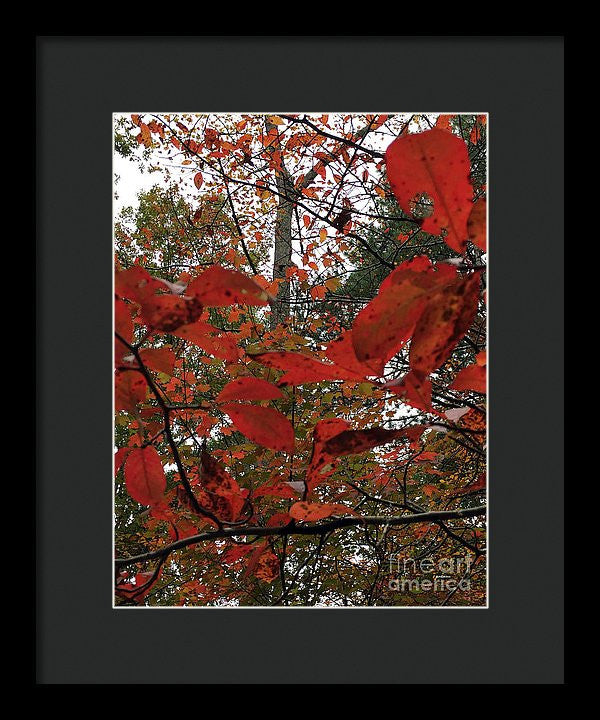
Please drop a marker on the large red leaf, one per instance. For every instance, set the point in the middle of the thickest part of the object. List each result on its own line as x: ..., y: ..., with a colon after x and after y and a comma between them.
x: 195, y: 331
x: 384, y: 326
x: 352, y: 442
x: 300, y: 369
x: 144, y: 476
x: 436, y: 163
x: 219, y: 344
x: 476, y: 224
x: 130, y: 390
x: 447, y: 317
x: 218, y: 286
x: 120, y: 457
x: 472, y: 377
x: 310, y: 512
x: 322, y: 464
x: 136, y: 284
x: 166, y: 313
x: 123, y: 328
x: 160, y: 359
x: 223, y: 346
x: 263, y: 425
x: 123, y: 321
x: 341, y: 353
x: 249, y: 388
x: 275, y: 489
x: 415, y: 390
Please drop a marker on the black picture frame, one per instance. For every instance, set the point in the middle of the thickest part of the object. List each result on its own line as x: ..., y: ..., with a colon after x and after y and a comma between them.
x: 81, y: 81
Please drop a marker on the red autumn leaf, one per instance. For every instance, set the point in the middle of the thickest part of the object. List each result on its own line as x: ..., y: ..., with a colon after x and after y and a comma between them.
x: 235, y: 554
x: 198, y: 180
x: 341, y: 353
x: 415, y: 390
x: 426, y: 456
x: 130, y: 390
x: 445, y: 320
x: 195, y: 332
x: 472, y: 377
x: 144, y: 476
x: 120, y: 457
x: 249, y: 388
x: 123, y: 328
x: 159, y: 359
x: 222, y: 345
x: 217, y: 286
x: 476, y: 224
x: 166, y: 313
x: 262, y: 425
x: 310, y: 512
x: 322, y: 464
x: 219, y: 491
x: 384, y: 326
x: 275, y: 489
x: 352, y: 442
x: 435, y: 163
x: 279, y: 519
x: 300, y: 369
x: 123, y: 321
x: 136, y: 284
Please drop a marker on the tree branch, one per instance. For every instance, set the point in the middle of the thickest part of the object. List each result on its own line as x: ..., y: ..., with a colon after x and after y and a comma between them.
x: 308, y: 529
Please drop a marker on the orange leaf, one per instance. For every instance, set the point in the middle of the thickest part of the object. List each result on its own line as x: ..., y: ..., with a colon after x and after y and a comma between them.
x: 267, y: 567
